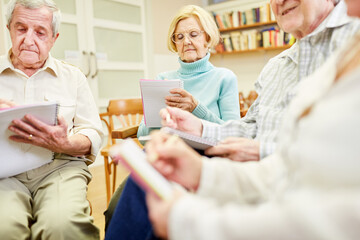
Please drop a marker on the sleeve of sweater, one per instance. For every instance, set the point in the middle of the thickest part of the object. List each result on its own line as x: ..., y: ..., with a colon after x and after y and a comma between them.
x: 228, y: 101
x: 143, y: 130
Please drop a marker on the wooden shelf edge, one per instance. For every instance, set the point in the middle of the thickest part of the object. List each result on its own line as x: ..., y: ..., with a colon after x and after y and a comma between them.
x: 254, y: 50
x: 247, y: 26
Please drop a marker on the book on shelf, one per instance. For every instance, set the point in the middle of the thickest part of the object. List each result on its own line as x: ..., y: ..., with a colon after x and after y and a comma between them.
x: 227, y: 42
x: 235, y: 40
x: 153, y: 93
x: 129, y: 154
x: 253, y: 39
x: 20, y: 157
x: 237, y: 17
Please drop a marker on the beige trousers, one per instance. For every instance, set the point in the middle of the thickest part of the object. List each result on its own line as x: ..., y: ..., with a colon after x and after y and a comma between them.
x: 47, y: 203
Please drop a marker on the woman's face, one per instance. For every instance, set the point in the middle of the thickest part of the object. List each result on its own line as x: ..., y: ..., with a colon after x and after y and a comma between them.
x: 190, y: 40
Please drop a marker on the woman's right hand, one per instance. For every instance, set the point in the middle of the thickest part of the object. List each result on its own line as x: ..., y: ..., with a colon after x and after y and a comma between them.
x: 181, y: 120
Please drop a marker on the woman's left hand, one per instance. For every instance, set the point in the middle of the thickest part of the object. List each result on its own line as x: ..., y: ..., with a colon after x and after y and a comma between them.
x: 184, y: 100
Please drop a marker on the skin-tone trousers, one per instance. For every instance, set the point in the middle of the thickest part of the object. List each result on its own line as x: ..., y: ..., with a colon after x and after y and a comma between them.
x: 48, y: 202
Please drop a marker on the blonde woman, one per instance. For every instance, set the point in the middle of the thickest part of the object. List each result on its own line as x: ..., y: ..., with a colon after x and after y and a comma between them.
x: 209, y: 93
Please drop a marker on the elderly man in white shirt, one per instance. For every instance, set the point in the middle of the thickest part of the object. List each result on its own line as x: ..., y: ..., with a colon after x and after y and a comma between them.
x: 320, y: 28
x: 48, y: 202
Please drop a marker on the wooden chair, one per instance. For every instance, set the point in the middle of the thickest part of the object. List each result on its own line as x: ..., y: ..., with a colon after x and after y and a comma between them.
x: 245, y: 103
x: 251, y: 98
x: 124, y: 115
x: 242, y: 103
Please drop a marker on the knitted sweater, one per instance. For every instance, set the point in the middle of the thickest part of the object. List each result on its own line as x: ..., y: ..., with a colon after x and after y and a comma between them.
x: 215, y: 89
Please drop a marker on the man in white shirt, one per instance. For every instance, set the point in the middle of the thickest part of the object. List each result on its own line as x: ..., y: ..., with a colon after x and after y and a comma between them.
x: 48, y: 202
x: 319, y: 27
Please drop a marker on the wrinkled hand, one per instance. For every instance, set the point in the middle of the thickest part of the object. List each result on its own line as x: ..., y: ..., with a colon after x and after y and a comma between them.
x: 6, y: 104
x: 33, y: 131
x: 181, y: 120
x: 237, y: 149
x: 159, y: 210
x: 174, y: 159
x: 183, y: 100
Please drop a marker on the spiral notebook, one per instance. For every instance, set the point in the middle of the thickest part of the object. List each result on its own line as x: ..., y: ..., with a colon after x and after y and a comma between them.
x: 153, y: 93
x: 20, y: 157
x: 193, y: 141
x: 143, y: 173
x: 196, y: 142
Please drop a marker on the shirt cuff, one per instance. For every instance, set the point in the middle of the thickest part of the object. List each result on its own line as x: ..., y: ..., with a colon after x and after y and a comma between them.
x: 211, y: 130
x: 95, y: 140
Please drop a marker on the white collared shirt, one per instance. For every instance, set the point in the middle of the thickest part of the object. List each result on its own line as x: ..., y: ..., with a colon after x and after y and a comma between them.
x: 60, y: 82
x: 278, y: 81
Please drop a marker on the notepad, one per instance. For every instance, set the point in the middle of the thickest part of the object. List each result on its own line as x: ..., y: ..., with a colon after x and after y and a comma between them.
x: 20, y: 157
x: 153, y: 93
x: 143, y: 173
x: 193, y: 141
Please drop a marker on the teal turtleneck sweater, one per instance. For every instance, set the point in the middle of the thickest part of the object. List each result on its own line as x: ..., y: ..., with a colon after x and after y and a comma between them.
x: 215, y: 89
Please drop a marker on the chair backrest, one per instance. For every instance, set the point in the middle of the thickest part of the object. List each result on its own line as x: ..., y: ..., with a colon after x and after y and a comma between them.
x: 245, y: 103
x: 242, y: 104
x: 251, y: 98
x: 122, y: 113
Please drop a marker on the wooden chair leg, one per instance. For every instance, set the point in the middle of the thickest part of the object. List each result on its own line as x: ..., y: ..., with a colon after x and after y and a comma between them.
x: 107, y: 179
x: 114, y: 178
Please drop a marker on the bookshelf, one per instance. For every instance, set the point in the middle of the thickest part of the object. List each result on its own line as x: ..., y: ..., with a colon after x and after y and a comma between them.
x: 254, y: 25
x: 246, y: 64
x: 249, y: 30
x: 258, y: 49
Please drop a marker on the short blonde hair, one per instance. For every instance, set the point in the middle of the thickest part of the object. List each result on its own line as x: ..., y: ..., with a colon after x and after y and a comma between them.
x: 205, y: 20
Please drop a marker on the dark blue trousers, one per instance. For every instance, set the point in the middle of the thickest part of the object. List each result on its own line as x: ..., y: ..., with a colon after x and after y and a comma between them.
x: 130, y: 219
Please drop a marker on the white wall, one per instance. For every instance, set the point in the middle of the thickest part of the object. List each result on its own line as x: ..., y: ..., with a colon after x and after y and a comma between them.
x: 2, y: 37
x: 160, y: 14
x: 246, y: 66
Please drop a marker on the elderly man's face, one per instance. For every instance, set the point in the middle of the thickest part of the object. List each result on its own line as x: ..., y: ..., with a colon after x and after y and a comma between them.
x: 300, y: 17
x: 31, y: 36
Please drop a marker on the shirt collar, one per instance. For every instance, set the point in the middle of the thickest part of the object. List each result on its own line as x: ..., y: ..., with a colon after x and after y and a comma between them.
x: 5, y: 63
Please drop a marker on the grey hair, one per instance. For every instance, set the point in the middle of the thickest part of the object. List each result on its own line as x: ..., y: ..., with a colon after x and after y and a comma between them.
x: 35, y: 4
